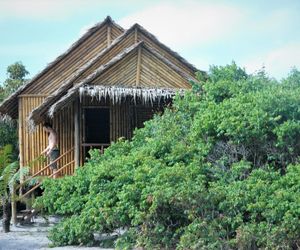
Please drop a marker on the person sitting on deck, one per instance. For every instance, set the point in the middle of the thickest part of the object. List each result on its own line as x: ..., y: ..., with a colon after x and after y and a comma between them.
x: 51, y: 150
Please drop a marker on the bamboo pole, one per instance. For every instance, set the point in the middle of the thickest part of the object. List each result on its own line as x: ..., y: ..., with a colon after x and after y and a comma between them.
x: 38, y: 185
x: 138, y: 67
x: 43, y: 169
x: 76, y: 134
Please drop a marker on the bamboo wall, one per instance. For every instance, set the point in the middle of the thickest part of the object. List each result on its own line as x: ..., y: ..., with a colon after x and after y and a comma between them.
x: 141, y: 68
x: 63, y: 123
x: 123, y: 73
x: 155, y: 73
x: 115, y: 50
x: 120, y: 121
x: 33, y: 143
x: 124, y: 117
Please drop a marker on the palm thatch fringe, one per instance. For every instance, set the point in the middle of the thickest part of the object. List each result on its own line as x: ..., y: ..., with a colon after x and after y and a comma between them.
x: 115, y: 95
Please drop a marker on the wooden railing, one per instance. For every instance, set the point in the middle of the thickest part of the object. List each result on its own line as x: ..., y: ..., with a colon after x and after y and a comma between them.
x: 42, y: 170
x: 100, y: 146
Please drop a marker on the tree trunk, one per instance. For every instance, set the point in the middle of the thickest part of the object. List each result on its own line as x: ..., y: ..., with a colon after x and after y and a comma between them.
x: 13, y: 207
x: 6, y: 215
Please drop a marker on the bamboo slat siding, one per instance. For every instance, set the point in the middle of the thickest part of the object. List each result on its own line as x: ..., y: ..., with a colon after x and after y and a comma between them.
x: 156, y: 73
x: 130, y: 40
x: 63, y: 123
x: 153, y: 73
x: 149, y: 42
x: 120, y: 121
x: 126, y: 116
x: 123, y: 72
x: 33, y: 143
x: 127, y: 42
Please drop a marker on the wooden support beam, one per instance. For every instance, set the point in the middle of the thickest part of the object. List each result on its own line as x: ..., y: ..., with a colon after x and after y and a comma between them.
x: 33, y: 95
x: 135, y: 35
x: 21, y: 143
x: 138, y: 67
x: 13, y: 206
x: 76, y: 133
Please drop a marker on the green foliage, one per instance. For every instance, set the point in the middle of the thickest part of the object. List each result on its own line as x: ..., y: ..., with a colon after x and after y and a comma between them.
x: 8, y: 169
x: 8, y: 134
x: 218, y: 170
x: 8, y: 128
x: 5, y: 160
x: 16, y: 77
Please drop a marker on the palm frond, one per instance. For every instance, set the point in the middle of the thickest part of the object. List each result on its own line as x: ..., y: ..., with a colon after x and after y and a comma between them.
x: 7, y: 180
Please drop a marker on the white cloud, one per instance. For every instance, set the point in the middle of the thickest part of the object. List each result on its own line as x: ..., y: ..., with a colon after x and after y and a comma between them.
x: 277, y: 62
x: 85, y: 28
x: 44, y: 9
x: 187, y: 23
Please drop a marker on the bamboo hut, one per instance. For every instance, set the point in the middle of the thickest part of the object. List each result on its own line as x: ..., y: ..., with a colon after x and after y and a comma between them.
x: 104, y: 86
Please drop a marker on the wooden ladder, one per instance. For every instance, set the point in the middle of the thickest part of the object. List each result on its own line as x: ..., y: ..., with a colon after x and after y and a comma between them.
x: 42, y: 170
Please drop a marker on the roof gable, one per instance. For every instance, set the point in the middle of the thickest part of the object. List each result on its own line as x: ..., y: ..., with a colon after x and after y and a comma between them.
x: 122, y: 71
x: 143, y: 67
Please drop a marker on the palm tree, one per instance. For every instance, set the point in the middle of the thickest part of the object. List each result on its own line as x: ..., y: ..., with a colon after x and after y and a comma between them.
x: 8, y: 170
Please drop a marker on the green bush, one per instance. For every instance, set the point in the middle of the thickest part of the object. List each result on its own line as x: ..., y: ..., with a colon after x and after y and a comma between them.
x: 218, y: 170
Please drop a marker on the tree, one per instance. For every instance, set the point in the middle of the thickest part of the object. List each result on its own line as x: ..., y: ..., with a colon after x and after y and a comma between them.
x: 218, y: 170
x: 16, y: 74
x: 8, y: 170
x: 8, y: 144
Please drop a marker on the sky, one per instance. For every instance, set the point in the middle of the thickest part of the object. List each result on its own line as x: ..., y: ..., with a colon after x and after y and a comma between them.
x: 253, y: 33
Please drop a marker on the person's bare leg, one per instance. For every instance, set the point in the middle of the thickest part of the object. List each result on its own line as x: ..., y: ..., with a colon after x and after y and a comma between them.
x: 55, y: 174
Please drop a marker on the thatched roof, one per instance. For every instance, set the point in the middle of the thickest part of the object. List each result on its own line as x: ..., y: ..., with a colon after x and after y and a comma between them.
x: 51, y: 99
x: 62, y: 90
x: 35, y: 115
x: 10, y: 104
x: 61, y: 95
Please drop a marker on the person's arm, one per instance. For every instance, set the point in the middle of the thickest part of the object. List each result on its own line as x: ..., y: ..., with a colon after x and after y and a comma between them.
x: 46, y: 150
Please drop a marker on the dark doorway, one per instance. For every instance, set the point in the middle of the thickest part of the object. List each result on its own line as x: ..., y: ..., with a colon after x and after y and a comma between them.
x: 97, y: 128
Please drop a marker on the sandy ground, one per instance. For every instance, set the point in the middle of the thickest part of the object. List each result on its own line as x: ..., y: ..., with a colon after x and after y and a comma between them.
x: 31, y: 237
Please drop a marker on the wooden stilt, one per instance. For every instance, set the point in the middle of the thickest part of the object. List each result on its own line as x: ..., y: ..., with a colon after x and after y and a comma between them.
x: 13, y: 207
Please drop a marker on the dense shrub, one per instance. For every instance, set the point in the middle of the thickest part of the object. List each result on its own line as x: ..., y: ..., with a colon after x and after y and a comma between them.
x: 218, y: 170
